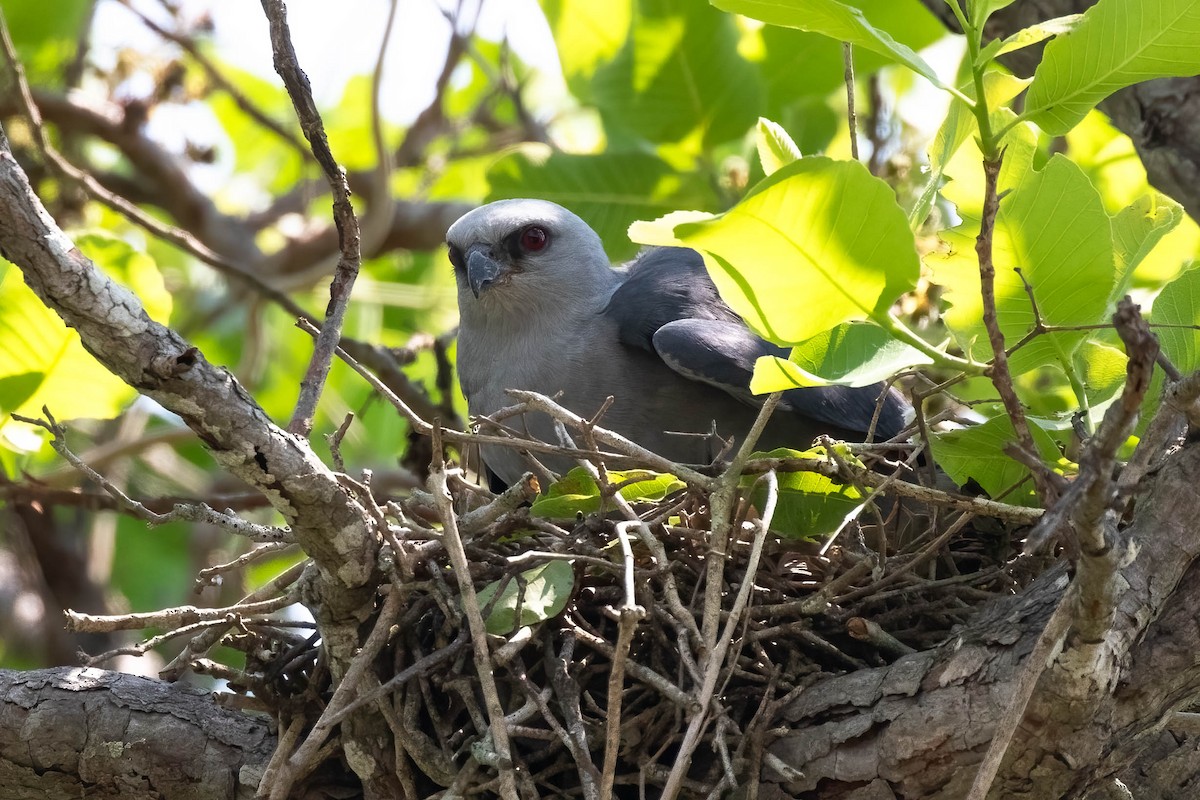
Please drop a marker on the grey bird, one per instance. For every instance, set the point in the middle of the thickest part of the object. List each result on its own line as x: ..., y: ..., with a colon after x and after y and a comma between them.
x: 542, y: 309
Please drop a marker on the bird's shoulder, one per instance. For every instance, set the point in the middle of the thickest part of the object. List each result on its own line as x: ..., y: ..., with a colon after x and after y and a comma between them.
x: 663, y: 285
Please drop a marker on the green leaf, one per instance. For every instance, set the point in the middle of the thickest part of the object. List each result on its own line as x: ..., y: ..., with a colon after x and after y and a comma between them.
x: 1178, y: 305
x: 982, y: 9
x: 258, y: 152
x: 800, y: 69
x: 546, y: 591
x: 1101, y: 367
x: 960, y: 123
x: 578, y: 493
x: 46, y: 38
x: 1053, y: 227
x: 1136, y: 229
x: 810, y: 505
x: 43, y: 360
x: 775, y: 148
x: 610, y: 190
x: 588, y: 35
x: 836, y: 20
x: 1038, y: 33
x: 819, y: 234
x: 34, y: 344
x: 852, y: 354
x: 1117, y: 43
x: 15, y: 390
x: 679, y: 78
x: 978, y: 453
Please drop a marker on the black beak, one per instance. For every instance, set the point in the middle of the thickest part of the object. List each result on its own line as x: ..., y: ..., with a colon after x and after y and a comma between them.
x: 482, y: 269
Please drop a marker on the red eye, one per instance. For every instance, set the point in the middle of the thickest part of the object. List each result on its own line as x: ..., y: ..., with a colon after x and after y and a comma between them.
x: 534, y: 239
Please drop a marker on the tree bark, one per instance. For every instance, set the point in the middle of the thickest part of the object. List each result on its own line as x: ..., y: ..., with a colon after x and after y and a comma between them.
x: 918, y: 728
x: 73, y: 732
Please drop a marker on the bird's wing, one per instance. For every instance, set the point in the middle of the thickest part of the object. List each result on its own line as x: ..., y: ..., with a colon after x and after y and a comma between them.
x: 668, y: 306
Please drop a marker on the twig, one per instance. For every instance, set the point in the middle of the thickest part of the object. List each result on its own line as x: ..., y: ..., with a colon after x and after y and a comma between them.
x: 628, y: 616
x: 720, y: 504
x: 716, y: 658
x: 205, y: 641
x: 288, y: 67
x: 470, y: 602
x: 869, y: 631
x: 190, y: 513
x: 171, y: 617
x: 181, y: 239
x: 248, y: 107
x: 1001, y: 377
x: 305, y: 757
x: 209, y: 575
x: 848, y: 74
x: 422, y: 667
x: 539, y: 402
x: 335, y: 442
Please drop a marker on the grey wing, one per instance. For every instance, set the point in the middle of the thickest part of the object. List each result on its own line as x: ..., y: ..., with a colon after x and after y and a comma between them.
x: 722, y: 354
x: 668, y: 305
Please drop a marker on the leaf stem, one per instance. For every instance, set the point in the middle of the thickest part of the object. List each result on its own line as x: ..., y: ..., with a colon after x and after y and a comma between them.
x: 940, y: 358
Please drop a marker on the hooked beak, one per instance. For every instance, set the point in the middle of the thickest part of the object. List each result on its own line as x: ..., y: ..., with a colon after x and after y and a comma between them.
x: 482, y: 269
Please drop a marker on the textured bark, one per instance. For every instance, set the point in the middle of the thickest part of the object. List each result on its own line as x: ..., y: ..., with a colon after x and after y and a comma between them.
x: 73, y: 732
x: 1162, y: 117
x: 918, y: 728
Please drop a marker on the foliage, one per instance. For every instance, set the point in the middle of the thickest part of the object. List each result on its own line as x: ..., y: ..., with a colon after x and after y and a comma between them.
x: 718, y: 127
x: 698, y: 127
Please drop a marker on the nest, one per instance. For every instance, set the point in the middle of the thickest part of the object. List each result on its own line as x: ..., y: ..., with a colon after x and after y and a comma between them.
x: 641, y: 683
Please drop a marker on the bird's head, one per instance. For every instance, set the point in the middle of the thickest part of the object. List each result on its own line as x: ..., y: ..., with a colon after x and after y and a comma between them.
x: 521, y: 254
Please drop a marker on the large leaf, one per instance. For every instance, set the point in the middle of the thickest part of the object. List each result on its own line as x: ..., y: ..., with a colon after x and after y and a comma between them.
x: 1176, y: 315
x: 1053, y: 227
x: 1136, y: 230
x: 840, y: 21
x: 679, y: 77
x: 609, y: 190
x: 852, y: 354
x: 46, y: 38
x: 255, y: 150
x: 42, y: 362
x: 546, y: 591
x: 809, y: 505
x: 797, y: 63
x: 978, y: 453
x: 578, y: 493
x: 818, y: 243
x: 1117, y: 43
x: 588, y: 34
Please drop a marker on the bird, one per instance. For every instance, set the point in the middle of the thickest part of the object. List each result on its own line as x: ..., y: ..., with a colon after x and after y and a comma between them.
x: 541, y: 308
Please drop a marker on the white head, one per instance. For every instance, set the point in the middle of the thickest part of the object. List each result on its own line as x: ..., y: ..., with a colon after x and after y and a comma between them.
x: 525, y: 256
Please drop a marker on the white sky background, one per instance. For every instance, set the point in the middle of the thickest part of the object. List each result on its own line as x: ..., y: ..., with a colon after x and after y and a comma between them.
x: 338, y: 39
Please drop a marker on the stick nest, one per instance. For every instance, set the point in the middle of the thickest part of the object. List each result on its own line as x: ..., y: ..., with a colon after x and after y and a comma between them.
x: 807, y: 616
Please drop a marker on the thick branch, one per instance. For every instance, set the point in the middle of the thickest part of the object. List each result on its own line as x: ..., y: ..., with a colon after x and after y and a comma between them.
x: 921, y: 724
x: 72, y: 732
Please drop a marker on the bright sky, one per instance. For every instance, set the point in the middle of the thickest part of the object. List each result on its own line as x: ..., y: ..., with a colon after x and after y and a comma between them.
x: 336, y: 40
